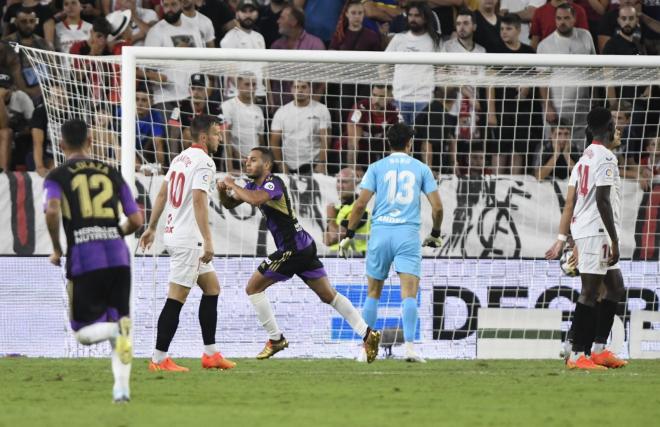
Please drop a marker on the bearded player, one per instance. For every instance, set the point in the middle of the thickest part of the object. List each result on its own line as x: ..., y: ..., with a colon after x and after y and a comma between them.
x: 593, y: 210
x: 295, y: 255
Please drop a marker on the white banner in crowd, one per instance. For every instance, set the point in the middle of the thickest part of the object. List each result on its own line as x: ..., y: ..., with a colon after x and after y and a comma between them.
x: 485, y: 217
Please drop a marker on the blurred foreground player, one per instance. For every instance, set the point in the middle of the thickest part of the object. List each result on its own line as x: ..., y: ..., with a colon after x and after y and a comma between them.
x: 86, y: 193
x: 296, y: 253
x: 184, y: 198
x: 398, y: 182
x: 593, y: 210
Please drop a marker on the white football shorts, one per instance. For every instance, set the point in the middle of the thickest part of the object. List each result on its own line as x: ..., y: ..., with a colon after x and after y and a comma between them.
x: 185, y: 265
x: 593, y: 253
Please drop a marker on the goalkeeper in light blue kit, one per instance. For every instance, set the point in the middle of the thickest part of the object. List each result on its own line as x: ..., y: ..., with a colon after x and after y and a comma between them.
x: 398, y: 181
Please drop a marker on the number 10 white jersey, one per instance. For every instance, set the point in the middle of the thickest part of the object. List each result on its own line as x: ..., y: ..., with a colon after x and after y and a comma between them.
x: 597, y: 167
x: 191, y: 170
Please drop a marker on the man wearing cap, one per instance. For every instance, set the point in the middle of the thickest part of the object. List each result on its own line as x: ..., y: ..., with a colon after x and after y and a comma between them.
x: 200, y: 21
x: 199, y: 103
x: 244, y: 36
x: 16, y: 110
x: 141, y: 21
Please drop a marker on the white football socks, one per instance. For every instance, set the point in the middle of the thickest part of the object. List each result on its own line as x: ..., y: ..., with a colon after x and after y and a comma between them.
x: 97, y: 332
x: 122, y: 375
x: 158, y: 356
x: 350, y: 313
x: 598, y: 347
x: 210, y: 349
x: 265, y: 315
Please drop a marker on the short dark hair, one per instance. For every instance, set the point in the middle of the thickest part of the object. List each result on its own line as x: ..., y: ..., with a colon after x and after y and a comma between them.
x: 566, y: 6
x: 563, y: 123
x: 511, y: 19
x: 74, y: 133
x: 201, y: 124
x: 27, y: 11
x: 464, y: 11
x: 266, y: 154
x: 599, y: 120
x: 298, y: 14
x: 142, y: 86
x: 101, y: 25
x: 398, y: 136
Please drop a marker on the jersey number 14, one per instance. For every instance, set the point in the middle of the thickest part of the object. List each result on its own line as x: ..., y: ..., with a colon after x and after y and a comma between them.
x: 583, y: 173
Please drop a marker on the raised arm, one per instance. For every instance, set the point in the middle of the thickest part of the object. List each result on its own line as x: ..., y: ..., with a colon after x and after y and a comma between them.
x: 252, y: 197
x: 226, y: 200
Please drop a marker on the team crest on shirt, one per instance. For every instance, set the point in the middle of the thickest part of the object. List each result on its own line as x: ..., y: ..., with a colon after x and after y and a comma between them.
x: 269, y: 186
x: 609, y: 172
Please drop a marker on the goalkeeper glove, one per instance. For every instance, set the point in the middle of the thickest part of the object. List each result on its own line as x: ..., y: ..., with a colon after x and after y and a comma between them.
x: 433, y: 240
x: 347, y: 245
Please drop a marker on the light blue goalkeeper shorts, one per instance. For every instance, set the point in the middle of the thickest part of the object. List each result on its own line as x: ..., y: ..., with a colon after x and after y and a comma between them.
x: 394, y: 244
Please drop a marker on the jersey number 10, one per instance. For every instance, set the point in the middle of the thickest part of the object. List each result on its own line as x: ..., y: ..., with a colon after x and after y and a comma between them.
x: 177, y: 182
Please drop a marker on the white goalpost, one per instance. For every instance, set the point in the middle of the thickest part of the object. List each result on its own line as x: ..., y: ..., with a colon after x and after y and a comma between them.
x: 482, y: 123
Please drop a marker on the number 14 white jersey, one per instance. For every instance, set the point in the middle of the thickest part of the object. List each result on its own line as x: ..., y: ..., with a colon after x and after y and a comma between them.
x: 597, y: 167
x: 191, y: 170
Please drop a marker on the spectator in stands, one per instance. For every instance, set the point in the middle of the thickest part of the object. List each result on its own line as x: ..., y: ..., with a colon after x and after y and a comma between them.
x: 609, y: 23
x: 557, y: 158
x: 366, y: 126
x: 488, y: 26
x: 43, y: 25
x: 201, y: 101
x: 121, y: 34
x: 514, y: 106
x: 544, y: 20
x: 524, y: 9
x: 650, y: 164
x: 16, y: 110
x: 141, y: 21
x: 292, y: 28
x: 351, y: 33
x: 299, y: 132
x: 219, y: 13
x: 380, y: 13
x: 322, y: 16
x: 337, y: 214
x: 26, y: 23
x: 244, y: 122
x: 97, y: 42
x: 626, y: 41
x: 269, y: 15
x: 472, y: 165
x: 243, y: 36
x: 474, y: 103
x: 150, y: 129
x: 436, y: 130
x: 72, y: 28
x: 630, y: 150
x: 651, y: 9
x: 413, y: 84
x: 571, y: 103
x: 200, y: 21
x: 42, y: 147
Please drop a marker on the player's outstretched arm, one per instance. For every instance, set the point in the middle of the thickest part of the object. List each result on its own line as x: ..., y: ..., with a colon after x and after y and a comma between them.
x: 201, y: 210
x: 346, y: 245
x: 607, y: 215
x: 147, y: 238
x: 53, y: 213
x: 226, y: 200
x: 437, y: 212
x: 252, y: 197
x: 564, y: 225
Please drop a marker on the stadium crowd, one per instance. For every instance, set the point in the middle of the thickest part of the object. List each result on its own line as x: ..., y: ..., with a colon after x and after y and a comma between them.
x: 459, y: 130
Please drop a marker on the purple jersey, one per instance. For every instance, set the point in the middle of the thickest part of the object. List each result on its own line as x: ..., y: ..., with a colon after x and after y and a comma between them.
x: 91, y: 193
x: 280, y: 217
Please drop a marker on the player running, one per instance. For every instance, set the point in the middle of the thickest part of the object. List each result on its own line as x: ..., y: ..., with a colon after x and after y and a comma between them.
x: 398, y: 181
x: 187, y: 238
x: 593, y: 210
x: 296, y: 253
x: 86, y: 193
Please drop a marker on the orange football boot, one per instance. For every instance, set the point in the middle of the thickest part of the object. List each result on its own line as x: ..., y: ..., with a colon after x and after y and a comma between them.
x: 216, y: 362
x: 166, y: 365
x: 584, y: 363
x: 608, y: 359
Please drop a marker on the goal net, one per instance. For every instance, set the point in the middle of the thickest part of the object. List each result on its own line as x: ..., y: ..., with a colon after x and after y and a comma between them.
x: 501, y: 133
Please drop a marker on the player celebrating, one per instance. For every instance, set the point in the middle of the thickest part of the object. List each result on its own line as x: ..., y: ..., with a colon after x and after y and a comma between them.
x: 398, y: 181
x: 296, y: 253
x: 593, y: 210
x: 188, y: 241
x: 87, y: 193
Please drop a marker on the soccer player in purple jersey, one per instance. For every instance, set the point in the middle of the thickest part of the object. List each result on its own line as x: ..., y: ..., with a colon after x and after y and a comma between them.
x: 296, y: 253
x: 86, y: 194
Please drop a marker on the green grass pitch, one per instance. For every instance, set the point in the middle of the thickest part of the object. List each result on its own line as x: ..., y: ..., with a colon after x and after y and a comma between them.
x: 345, y: 393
